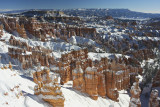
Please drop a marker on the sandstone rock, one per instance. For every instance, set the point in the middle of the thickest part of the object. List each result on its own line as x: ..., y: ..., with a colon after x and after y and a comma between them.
x: 1, y: 30
x: 10, y: 65
x: 101, y: 85
x: 78, y: 81
x: 91, y: 82
x: 111, y: 90
x: 65, y: 73
x: 135, y: 94
x: 48, y: 89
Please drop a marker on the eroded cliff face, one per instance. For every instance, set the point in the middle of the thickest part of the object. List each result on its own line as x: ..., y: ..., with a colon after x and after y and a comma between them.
x: 101, y: 85
x: 1, y: 30
x: 48, y: 88
x: 101, y: 81
x: 43, y: 30
x: 135, y: 94
x: 29, y: 56
x: 91, y: 82
x: 78, y: 80
x: 106, y: 79
x: 103, y: 78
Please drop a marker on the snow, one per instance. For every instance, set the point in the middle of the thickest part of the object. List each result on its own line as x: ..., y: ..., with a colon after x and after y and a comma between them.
x: 91, y: 69
x: 74, y: 98
x: 12, y: 84
x: 81, y: 40
x: 78, y: 70
x: 97, y: 56
x: 3, y: 48
x: 119, y: 72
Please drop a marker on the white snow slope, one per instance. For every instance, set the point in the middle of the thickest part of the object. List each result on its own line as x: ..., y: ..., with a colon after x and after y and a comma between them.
x: 17, y: 91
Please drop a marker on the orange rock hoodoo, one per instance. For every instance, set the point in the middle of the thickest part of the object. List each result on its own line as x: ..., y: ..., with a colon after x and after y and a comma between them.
x: 135, y: 94
x: 78, y: 81
x: 43, y: 30
x: 1, y: 31
x: 91, y: 82
x: 10, y: 65
x: 48, y: 88
x: 108, y: 77
x: 29, y: 56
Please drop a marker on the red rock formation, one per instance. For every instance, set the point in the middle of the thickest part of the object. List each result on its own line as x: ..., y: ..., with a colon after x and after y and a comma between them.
x: 135, y: 94
x: 21, y: 30
x: 133, y: 73
x: 101, y: 85
x: 10, y: 65
x: 78, y: 81
x: 154, y: 99
x: 64, y: 72
x: 91, y: 82
x: 111, y: 90
x: 1, y: 30
x: 48, y: 89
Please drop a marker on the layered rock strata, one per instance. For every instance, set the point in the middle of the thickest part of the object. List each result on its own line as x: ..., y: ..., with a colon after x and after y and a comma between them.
x: 47, y: 88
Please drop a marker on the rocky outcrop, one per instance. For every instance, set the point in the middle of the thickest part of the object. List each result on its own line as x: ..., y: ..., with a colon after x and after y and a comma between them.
x: 1, y: 30
x: 68, y: 63
x: 44, y: 30
x: 29, y: 56
x: 108, y: 77
x: 83, y: 32
x: 135, y: 94
x: 64, y: 72
x: 78, y: 80
x: 154, y: 99
x: 101, y: 85
x: 47, y: 88
x: 111, y: 90
x: 10, y: 65
x: 91, y: 82
x: 21, y: 30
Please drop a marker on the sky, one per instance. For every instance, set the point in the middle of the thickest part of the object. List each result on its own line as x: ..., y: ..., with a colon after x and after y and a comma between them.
x: 147, y: 6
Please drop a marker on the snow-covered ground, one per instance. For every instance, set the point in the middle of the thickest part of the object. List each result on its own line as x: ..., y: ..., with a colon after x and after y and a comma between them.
x: 17, y: 90
x: 98, y: 56
x: 74, y: 98
x: 81, y: 40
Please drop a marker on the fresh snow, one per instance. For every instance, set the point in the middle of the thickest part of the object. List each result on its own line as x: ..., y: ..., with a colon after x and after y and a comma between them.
x: 81, y: 40
x: 11, y: 85
x: 74, y: 98
x: 97, y: 56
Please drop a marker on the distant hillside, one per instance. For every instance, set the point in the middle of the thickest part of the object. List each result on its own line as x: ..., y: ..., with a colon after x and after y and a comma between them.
x: 12, y: 11
x: 125, y: 13
x: 110, y: 12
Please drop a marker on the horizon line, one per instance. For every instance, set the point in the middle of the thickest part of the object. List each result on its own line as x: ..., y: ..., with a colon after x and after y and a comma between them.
x: 7, y: 10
